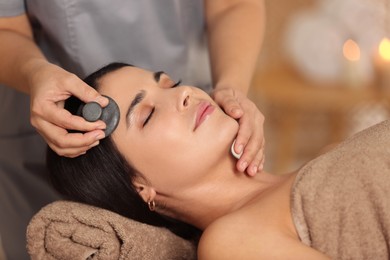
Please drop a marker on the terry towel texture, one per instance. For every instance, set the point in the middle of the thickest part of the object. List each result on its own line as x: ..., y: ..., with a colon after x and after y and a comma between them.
x: 69, y: 230
x: 341, y: 200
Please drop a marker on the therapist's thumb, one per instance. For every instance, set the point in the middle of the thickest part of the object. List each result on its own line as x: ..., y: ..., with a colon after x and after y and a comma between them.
x: 88, y: 94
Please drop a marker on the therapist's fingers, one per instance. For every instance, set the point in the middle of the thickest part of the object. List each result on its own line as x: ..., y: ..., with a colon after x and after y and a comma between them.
x: 50, y: 87
x: 250, y: 138
x: 75, y: 152
x: 257, y: 163
x: 227, y: 98
x: 54, y: 129
x: 50, y: 82
x: 70, y: 144
x: 250, y: 142
x: 84, y: 92
x: 261, y: 167
x: 52, y: 110
x: 57, y: 115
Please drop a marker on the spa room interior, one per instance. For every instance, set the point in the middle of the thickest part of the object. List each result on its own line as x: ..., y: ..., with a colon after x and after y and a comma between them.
x: 323, y: 75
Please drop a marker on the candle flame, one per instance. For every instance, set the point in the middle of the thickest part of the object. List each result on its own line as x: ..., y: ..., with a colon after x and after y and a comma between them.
x: 351, y: 50
x: 384, y: 49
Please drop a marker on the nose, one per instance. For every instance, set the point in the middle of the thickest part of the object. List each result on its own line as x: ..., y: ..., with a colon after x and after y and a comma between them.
x: 184, y: 98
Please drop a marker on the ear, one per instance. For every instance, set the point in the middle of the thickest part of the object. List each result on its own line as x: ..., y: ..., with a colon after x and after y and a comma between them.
x: 146, y: 191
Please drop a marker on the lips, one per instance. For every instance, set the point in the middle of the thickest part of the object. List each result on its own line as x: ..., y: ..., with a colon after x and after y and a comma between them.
x: 204, y: 110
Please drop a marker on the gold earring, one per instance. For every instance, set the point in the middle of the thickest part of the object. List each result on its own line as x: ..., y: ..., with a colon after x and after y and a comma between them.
x: 152, y: 205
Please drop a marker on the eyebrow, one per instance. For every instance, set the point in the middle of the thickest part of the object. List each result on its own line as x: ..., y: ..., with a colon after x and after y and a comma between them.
x: 139, y: 97
x: 157, y: 76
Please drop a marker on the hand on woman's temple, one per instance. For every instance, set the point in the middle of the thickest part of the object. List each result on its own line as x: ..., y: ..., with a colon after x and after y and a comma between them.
x: 250, y: 137
x: 50, y: 87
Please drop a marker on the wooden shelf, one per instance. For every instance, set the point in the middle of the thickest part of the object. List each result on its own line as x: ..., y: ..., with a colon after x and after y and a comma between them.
x: 285, y: 88
x: 293, y: 97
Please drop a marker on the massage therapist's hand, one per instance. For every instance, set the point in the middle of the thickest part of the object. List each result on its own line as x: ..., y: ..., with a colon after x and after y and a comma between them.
x: 50, y: 86
x: 250, y: 137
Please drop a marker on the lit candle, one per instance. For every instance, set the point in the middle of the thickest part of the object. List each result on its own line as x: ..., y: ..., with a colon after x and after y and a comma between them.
x: 382, y: 65
x: 352, y: 71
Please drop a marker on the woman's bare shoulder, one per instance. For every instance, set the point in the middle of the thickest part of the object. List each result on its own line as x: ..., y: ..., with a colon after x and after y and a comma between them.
x: 221, y: 238
x: 237, y: 237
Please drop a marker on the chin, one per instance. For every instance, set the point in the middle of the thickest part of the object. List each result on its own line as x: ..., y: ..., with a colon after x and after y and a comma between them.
x: 228, y: 132
x: 222, y: 132
x: 233, y: 126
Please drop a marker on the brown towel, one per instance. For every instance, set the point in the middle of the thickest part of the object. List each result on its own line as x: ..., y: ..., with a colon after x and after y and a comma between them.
x: 69, y: 230
x: 341, y: 200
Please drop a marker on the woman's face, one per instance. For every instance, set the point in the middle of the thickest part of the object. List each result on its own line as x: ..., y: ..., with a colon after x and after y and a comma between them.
x: 172, y: 135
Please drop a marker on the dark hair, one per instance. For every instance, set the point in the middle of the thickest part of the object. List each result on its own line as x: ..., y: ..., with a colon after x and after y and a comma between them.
x: 103, y: 178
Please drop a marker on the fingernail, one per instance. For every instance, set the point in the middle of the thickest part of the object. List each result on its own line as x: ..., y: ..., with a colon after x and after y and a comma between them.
x: 261, y: 167
x: 94, y: 144
x: 240, y: 148
x: 101, y: 99
x: 101, y: 126
x: 99, y: 136
x: 254, y: 170
x: 236, y: 110
x: 244, y: 165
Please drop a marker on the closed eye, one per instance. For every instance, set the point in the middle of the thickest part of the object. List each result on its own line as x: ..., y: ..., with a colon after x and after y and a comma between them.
x: 176, y: 84
x: 149, y: 117
x: 153, y: 109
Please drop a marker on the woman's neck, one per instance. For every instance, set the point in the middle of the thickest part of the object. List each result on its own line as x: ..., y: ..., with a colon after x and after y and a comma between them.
x: 223, y: 194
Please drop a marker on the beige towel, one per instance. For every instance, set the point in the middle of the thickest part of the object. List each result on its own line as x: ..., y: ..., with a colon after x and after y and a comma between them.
x: 341, y: 200
x: 69, y: 230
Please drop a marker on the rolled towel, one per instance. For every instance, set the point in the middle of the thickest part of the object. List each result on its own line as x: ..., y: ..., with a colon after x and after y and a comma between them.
x: 70, y: 230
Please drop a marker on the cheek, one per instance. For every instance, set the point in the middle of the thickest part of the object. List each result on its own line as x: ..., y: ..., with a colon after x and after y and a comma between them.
x: 179, y: 150
x: 172, y: 154
x: 163, y: 162
x: 161, y: 151
x: 169, y: 147
x: 177, y: 146
x: 171, y: 161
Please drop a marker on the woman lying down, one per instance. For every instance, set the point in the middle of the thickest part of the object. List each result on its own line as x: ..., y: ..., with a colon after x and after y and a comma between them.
x: 166, y: 166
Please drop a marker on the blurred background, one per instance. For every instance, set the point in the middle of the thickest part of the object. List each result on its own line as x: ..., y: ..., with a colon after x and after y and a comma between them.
x: 323, y: 75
